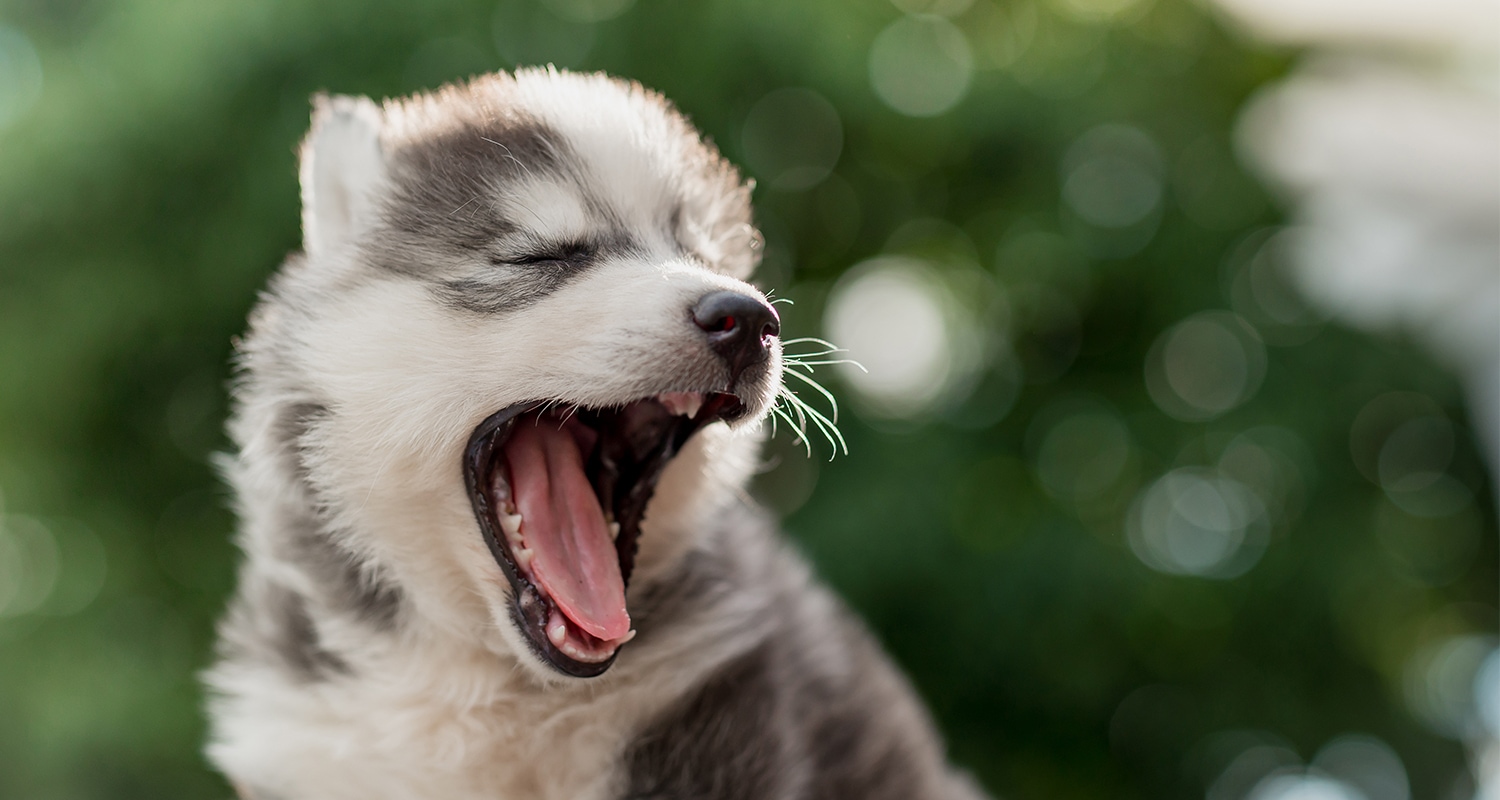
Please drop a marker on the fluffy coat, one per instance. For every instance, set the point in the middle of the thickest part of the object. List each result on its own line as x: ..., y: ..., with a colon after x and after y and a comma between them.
x: 369, y: 651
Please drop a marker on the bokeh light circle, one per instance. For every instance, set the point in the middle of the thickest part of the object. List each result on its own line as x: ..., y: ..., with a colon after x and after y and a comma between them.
x: 1193, y: 521
x: 1367, y: 764
x: 28, y: 565
x: 1082, y: 452
x: 1111, y: 192
x: 1260, y: 280
x: 1404, y: 443
x: 792, y: 139
x: 899, y: 321
x: 1487, y: 693
x: 1205, y: 366
x: 20, y: 76
x: 1416, y: 454
x: 1304, y: 787
x: 1112, y: 188
x: 1274, y: 463
x: 921, y: 65
x: 1440, y: 680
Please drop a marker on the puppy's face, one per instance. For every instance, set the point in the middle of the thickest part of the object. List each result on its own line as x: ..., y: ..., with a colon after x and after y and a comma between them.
x: 523, y: 306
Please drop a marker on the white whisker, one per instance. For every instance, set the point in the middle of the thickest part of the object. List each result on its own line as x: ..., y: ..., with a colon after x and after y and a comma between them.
x: 811, y: 364
x: 817, y: 387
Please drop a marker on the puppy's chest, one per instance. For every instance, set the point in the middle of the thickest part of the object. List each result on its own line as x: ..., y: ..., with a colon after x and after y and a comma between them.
x: 571, y: 753
x: 563, y: 759
x: 514, y: 748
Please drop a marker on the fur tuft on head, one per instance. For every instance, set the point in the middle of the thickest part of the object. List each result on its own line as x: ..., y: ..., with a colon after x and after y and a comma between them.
x: 343, y: 168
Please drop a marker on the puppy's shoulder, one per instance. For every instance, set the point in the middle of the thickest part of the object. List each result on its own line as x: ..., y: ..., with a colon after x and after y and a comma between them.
x: 814, y: 709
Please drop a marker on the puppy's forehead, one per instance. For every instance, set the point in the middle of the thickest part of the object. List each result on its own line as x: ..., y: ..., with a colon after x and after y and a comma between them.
x: 553, y: 161
x: 627, y: 150
x: 543, y: 154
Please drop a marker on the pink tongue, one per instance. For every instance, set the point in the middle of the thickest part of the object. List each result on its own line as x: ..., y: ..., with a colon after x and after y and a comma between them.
x: 574, y: 558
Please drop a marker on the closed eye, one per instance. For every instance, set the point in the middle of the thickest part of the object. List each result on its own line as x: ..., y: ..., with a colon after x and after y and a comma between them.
x: 562, y: 253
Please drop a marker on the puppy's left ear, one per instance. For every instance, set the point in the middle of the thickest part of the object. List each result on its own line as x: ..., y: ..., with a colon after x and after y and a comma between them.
x: 343, y: 171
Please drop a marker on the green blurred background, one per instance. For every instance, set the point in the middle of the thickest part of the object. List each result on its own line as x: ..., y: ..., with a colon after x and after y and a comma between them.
x: 1122, y: 507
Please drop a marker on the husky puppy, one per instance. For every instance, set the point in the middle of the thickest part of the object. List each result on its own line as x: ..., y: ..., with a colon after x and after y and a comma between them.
x: 493, y: 426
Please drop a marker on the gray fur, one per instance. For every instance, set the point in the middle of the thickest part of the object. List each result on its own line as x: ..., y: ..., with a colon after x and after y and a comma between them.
x: 812, y: 711
x: 270, y: 624
x: 440, y: 225
x: 347, y: 584
x: 367, y: 604
x: 293, y: 422
x: 344, y: 582
x: 723, y: 742
x: 295, y: 638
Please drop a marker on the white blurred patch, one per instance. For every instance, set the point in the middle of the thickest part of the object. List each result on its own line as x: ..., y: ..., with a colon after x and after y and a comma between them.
x: 895, y: 317
x: 1194, y: 521
x: 1428, y: 24
x: 1304, y: 787
x: 1349, y: 767
x: 1248, y: 769
x: 921, y: 65
x: 1366, y: 764
x: 1395, y: 176
x: 1440, y: 684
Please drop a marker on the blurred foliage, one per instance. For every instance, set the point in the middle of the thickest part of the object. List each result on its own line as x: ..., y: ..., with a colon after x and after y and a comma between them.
x: 148, y: 187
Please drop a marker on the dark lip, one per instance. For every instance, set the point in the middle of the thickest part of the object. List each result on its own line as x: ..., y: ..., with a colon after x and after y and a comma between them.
x: 531, y: 607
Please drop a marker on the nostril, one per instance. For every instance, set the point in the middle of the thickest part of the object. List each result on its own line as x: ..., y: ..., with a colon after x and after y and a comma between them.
x: 770, y: 330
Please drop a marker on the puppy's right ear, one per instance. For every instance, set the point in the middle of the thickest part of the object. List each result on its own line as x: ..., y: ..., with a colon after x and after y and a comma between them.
x: 342, y: 172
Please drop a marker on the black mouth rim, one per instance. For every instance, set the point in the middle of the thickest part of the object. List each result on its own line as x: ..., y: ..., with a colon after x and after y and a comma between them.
x: 531, y: 607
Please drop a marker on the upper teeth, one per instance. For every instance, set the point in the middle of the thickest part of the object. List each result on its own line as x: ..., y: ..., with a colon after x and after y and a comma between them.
x: 684, y: 404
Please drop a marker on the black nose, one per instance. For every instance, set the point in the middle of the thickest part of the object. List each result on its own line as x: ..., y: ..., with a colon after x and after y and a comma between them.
x: 739, y: 328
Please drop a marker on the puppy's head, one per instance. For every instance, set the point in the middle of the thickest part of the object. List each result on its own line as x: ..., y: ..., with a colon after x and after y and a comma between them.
x: 522, y: 315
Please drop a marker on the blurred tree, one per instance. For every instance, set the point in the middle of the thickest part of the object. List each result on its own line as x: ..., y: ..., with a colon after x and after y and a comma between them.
x: 1134, y: 519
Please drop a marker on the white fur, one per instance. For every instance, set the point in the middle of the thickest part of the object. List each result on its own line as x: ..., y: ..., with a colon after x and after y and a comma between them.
x: 454, y: 705
x: 342, y: 173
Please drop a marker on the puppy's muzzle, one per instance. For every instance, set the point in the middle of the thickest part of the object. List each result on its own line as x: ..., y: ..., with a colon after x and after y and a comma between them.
x: 740, y: 328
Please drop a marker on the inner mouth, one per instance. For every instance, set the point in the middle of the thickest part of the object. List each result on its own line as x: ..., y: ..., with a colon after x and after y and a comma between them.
x: 560, y: 491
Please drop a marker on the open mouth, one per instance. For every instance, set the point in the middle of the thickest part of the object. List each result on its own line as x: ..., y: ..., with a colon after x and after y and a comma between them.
x: 559, y: 492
